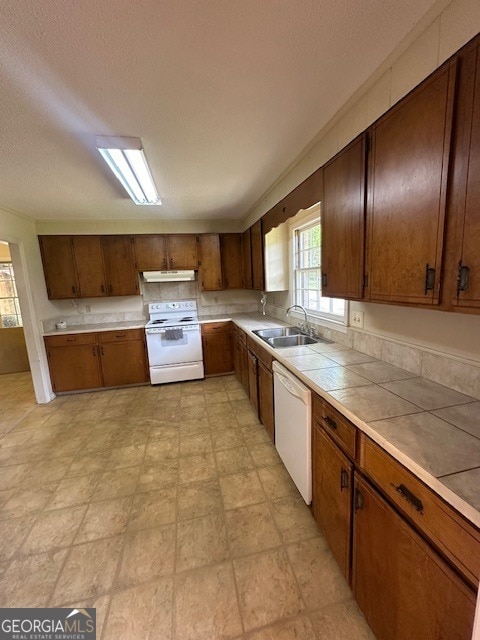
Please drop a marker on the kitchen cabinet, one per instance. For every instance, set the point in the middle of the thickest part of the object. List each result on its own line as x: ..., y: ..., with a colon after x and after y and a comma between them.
x: 88, y: 266
x: 73, y: 361
x: 88, y: 254
x: 256, y: 234
x: 150, y: 252
x: 247, y: 259
x: 266, y: 399
x: 122, y: 278
x: 343, y: 223
x: 58, y: 267
x: 210, y: 272
x: 93, y: 360
x: 182, y: 251
x: 232, y: 256
x: 404, y: 588
x: 463, y: 275
x: 264, y: 385
x: 217, y: 348
x: 240, y: 357
x: 123, y: 357
x: 253, y: 379
x: 408, y: 169
x: 332, y: 495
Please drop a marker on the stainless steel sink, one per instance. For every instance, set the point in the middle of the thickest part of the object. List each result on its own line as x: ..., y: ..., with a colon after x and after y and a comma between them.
x: 291, y: 341
x: 277, y: 333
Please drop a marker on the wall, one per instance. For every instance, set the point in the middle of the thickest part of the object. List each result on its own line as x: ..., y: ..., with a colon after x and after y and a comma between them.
x: 59, y: 227
x: 20, y: 232
x: 4, y: 252
x: 449, y: 333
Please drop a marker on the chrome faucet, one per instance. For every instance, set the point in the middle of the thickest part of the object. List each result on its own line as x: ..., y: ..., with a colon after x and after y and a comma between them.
x: 299, y: 306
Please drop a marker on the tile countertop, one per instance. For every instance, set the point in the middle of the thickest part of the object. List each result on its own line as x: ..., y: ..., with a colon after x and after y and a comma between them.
x: 93, y: 328
x: 432, y: 430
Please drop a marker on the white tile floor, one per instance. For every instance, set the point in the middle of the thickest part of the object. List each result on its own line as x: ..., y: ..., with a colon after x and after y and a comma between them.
x: 166, y: 508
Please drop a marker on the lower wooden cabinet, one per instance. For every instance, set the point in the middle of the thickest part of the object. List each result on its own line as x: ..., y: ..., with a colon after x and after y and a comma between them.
x: 332, y: 495
x: 253, y: 379
x: 240, y: 357
x: 404, y: 588
x: 265, y: 399
x: 94, y: 360
x: 74, y: 367
x: 217, y: 348
x: 123, y: 362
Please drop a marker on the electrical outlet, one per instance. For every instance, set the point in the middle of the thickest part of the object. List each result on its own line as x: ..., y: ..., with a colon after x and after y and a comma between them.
x: 88, y: 308
x: 357, y: 319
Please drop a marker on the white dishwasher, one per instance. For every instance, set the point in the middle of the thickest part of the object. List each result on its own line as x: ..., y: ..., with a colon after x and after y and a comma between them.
x: 293, y: 428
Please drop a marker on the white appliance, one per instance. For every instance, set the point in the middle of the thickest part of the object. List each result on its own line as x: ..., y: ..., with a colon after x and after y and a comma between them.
x: 168, y: 276
x: 174, y: 342
x: 293, y: 428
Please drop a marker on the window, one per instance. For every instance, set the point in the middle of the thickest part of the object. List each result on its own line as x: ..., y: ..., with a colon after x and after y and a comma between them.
x: 10, y: 314
x: 307, y: 272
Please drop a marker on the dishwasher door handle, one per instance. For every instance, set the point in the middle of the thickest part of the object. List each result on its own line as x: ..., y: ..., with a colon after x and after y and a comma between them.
x: 287, y: 384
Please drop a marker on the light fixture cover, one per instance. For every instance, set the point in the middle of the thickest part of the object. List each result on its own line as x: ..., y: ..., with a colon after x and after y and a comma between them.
x: 126, y: 158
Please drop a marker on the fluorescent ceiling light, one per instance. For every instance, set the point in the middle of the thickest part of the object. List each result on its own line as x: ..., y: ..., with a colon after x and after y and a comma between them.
x: 126, y: 159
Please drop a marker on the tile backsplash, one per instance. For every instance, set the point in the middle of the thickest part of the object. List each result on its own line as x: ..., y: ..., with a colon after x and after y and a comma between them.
x: 456, y: 373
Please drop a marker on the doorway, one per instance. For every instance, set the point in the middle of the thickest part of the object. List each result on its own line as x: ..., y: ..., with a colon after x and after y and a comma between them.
x: 23, y: 312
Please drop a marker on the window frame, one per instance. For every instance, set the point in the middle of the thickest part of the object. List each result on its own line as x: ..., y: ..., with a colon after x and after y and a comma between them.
x: 303, y: 220
x: 15, y: 298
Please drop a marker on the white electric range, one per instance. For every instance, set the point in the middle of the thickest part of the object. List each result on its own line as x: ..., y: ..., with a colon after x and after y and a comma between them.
x: 174, y: 342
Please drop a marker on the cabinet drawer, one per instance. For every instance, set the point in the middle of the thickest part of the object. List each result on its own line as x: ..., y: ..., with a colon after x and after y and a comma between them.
x: 215, y: 327
x: 337, y: 426
x: 70, y: 339
x: 239, y: 333
x: 447, y: 530
x: 261, y: 353
x: 121, y: 335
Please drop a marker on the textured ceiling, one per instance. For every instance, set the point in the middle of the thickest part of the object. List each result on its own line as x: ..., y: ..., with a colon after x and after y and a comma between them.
x: 224, y: 94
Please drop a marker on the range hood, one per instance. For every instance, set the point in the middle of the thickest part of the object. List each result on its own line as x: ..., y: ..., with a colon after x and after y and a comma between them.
x: 168, y: 276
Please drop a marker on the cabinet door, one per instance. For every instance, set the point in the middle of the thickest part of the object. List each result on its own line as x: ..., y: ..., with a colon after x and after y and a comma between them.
x: 467, y: 193
x: 343, y: 223
x: 210, y: 262
x: 150, y: 253
x: 217, y: 353
x: 404, y: 588
x: 258, y: 282
x: 58, y: 267
x: 247, y: 259
x: 124, y: 363
x: 122, y: 279
x: 182, y: 252
x: 75, y: 367
x: 231, y: 253
x: 237, y: 359
x: 87, y: 251
x: 265, y: 400
x: 244, y: 369
x: 408, y: 169
x: 332, y: 495
x: 253, y: 379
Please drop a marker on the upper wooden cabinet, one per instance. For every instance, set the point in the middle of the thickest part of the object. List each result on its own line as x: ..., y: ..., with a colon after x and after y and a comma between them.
x: 122, y: 279
x: 258, y: 281
x: 462, y: 277
x: 150, y: 253
x: 182, y: 252
x: 162, y: 252
x: 408, y: 168
x: 247, y: 259
x: 232, y: 265
x: 59, y: 267
x: 210, y: 262
x: 89, y: 266
x: 343, y: 222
